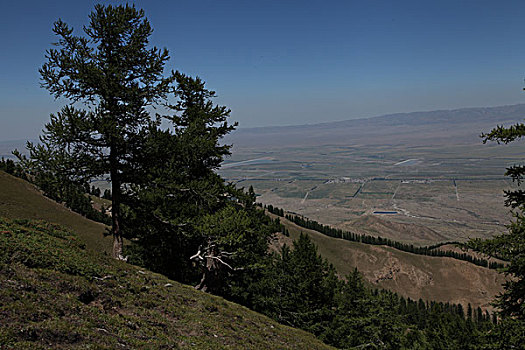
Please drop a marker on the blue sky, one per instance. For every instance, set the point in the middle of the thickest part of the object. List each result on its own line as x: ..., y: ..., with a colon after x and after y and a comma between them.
x: 295, y: 62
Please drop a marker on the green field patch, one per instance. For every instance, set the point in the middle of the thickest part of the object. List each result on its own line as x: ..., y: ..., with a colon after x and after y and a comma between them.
x: 426, y: 191
x: 259, y: 185
x: 380, y: 193
x: 296, y: 189
x: 381, y: 186
x: 334, y: 190
x: 376, y: 195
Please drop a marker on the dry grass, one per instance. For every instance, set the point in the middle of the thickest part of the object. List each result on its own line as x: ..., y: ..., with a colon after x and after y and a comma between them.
x: 410, y: 275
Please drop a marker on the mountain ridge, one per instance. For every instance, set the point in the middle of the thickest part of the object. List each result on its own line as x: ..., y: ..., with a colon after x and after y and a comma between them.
x: 388, y: 116
x: 461, y: 126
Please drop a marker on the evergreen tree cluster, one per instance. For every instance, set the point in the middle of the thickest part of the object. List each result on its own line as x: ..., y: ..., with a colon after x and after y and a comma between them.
x: 367, y: 239
x: 97, y: 192
x: 299, y: 288
x: 13, y: 168
x: 510, y: 246
x: 107, y: 194
x: 72, y: 195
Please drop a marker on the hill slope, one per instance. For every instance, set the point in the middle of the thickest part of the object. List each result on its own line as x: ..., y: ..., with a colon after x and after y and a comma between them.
x: 414, y: 276
x: 21, y: 200
x: 56, y: 294
x: 410, y: 275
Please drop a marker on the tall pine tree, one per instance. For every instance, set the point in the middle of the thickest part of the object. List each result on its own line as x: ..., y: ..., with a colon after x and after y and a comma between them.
x: 115, y: 75
x: 510, y: 330
x: 511, y: 245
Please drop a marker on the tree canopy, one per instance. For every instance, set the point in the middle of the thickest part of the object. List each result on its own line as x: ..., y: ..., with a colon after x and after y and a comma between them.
x: 114, y: 73
x: 179, y: 215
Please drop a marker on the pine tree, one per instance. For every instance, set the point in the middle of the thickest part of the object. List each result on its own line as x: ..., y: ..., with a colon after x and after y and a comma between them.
x: 183, y: 188
x: 115, y: 75
x: 510, y: 330
x: 510, y: 246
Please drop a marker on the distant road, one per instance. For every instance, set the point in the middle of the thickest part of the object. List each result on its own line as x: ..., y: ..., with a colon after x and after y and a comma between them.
x: 407, y: 162
x: 248, y: 162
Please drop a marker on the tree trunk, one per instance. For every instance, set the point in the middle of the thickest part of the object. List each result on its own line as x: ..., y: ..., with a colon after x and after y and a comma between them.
x: 209, y: 276
x: 118, y: 242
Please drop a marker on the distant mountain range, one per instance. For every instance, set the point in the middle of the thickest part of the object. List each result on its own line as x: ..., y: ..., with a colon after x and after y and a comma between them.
x: 460, y: 126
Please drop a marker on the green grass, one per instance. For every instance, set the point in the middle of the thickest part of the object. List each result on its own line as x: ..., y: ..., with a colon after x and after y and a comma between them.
x: 21, y: 200
x: 55, y: 293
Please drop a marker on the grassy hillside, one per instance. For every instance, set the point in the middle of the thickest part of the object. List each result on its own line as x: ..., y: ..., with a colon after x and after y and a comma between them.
x: 21, y: 200
x: 55, y: 293
x: 414, y: 276
x: 410, y: 275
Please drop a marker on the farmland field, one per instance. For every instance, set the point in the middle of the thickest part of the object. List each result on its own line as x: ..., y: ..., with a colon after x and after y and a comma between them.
x: 441, y: 187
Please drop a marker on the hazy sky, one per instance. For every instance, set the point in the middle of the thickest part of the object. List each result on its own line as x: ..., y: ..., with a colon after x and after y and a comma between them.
x: 295, y: 62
